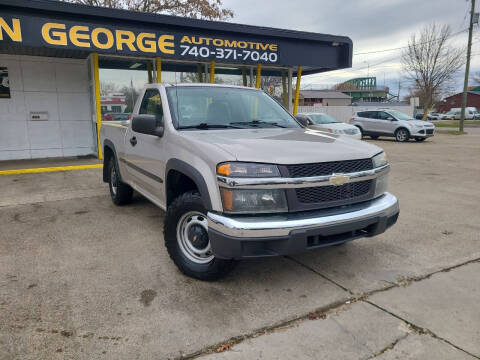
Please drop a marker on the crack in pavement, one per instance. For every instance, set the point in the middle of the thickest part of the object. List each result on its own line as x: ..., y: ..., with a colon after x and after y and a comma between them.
x: 388, y: 347
x: 330, y: 309
x: 420, y: 330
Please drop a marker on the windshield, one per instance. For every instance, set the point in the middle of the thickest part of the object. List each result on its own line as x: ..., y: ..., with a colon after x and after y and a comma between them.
x: 399, y: 115
x: 322, y: 119
x: 223, y: 107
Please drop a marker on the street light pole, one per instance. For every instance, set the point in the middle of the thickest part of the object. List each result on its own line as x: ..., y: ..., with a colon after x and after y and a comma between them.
x: 467, y: 68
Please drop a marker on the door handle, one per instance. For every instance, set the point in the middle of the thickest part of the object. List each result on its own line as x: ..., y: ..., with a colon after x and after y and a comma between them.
x: 133, y: 141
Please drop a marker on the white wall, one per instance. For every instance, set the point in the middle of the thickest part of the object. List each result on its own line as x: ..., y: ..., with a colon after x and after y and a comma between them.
x: 58, y: 86
x: 344, y: 113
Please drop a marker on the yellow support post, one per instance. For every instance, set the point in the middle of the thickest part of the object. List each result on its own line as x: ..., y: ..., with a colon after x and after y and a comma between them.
x: 96, y: 78
x: 158, y: 66
x: 259, y: 75
x: 297, y: 90
x: 212, y: 72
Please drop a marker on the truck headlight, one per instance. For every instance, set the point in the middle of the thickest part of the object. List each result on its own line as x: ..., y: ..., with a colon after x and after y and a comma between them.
x: 254, y: 201
x: 239, y: 169
x: 380, y: 159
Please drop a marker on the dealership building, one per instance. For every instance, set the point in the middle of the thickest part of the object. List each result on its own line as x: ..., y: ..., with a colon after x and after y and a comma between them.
x: 59, y: 63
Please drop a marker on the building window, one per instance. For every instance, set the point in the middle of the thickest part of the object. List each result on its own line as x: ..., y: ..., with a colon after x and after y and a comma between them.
x: 116, y: 108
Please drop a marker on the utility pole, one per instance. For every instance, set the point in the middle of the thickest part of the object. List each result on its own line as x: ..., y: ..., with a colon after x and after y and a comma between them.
x: 467, y: 68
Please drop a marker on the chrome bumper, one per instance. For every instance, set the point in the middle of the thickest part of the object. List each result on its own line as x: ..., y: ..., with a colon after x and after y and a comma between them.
x: 282, y: 225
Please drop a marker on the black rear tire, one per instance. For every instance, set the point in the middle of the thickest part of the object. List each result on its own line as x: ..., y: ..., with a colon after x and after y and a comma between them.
x: 208, y: 269
x: 120, y: 192
x: 374, y: 137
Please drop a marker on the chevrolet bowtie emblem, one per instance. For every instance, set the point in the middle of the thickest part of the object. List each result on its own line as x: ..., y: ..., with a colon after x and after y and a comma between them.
x: 338, y: 179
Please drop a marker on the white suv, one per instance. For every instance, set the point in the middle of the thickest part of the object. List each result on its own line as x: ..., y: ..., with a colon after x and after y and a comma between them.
x: 386, y: 122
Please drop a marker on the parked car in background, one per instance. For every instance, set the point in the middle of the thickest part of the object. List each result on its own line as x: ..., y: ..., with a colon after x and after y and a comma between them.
x: 386, y: 122
x: 325, y: 122
x: 117, y: 116
x: 454, y: 113
x: 430, y: 116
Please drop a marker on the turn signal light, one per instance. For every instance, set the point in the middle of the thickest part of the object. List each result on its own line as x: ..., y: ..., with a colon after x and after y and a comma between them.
x: 224, y: 169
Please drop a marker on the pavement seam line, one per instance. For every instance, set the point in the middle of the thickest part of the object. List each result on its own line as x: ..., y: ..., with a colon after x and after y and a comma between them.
x: 319, y: 274
x: 319, y: 313
x: 235, y: 340
x: 419, y: 329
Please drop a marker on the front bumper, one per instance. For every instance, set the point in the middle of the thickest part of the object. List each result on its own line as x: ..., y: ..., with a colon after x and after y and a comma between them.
x: 426, y: 132
x: 235, y: 237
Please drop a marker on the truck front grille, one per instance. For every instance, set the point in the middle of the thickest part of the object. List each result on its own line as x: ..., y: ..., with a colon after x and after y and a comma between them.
x: 329, y: 168
x: 331, y: 193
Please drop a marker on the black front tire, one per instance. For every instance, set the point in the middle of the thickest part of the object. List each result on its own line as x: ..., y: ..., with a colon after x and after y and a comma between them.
x: 120, y: 192
x: 214, y: 269
x: 402, y: 135
x: 420, y: 139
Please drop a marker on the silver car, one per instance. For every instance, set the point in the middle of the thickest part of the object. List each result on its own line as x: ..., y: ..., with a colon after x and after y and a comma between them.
x: 324, y: 122
x: 386, y: 122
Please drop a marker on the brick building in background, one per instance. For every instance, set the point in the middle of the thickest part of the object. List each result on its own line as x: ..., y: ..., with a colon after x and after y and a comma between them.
x: 455, y: 101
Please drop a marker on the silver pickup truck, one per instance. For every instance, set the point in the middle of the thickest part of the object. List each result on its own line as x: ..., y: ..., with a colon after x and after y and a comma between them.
x: 240, y: 178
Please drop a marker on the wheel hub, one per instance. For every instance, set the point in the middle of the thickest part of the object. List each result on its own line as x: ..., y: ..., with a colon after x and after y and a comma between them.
x: 198, y: 236
x: 192, y: 237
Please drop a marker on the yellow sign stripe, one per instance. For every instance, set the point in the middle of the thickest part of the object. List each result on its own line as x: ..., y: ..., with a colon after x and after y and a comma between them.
x: 50, y: 169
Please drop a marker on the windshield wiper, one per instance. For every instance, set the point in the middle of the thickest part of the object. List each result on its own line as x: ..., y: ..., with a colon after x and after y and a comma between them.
x: 204, y: 126
x: 256, y: 122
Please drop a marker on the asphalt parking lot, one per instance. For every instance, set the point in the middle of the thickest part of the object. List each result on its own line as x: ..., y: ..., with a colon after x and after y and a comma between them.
x: 83, y: 279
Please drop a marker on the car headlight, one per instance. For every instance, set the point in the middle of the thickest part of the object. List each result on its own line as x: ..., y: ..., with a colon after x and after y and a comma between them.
x: 254, y: 201
x: 239, y: 169
x: 380, y: 159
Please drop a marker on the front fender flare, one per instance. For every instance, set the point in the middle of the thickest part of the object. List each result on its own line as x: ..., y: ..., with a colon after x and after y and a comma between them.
x: 195, y: 175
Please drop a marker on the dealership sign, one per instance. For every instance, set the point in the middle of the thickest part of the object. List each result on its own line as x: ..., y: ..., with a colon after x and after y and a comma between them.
x: 126, y: 40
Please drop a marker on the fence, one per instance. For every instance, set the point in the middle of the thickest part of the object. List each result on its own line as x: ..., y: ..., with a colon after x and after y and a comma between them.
x: 344, y: 113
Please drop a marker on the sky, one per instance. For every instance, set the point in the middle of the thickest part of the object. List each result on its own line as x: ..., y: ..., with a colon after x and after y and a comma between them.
x: 372, y: 25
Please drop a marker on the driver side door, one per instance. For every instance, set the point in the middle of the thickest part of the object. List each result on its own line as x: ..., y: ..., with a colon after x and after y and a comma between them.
x: 386, y: 123
x: 145, y: 155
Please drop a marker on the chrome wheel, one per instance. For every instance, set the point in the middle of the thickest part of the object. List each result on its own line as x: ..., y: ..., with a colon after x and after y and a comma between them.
x: 113, y: 179
x: 192, y: 237
x: 402, y: 135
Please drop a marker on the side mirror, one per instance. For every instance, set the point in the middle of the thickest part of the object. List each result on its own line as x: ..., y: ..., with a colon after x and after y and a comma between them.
x: 147, y: 124
x: 302, y: 120
x: 390, y: 118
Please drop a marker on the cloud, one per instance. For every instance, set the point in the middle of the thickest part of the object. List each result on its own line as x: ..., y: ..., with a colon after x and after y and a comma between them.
x: 371, y: 24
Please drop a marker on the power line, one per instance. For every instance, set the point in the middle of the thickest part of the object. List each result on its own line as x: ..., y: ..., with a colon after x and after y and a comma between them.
x: 404, y: 47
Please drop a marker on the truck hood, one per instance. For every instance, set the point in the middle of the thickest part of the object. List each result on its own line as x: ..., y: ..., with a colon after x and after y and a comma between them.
x: 284, y: 146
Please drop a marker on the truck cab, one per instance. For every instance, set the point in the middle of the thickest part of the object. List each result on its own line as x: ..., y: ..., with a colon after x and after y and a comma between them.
x: 239, y: 177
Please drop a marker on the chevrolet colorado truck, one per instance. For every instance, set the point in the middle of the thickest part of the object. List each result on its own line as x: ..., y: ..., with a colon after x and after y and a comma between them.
x: 240, y: 178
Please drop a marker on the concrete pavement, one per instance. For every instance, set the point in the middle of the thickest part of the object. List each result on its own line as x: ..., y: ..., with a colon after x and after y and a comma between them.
x: 84, y: 279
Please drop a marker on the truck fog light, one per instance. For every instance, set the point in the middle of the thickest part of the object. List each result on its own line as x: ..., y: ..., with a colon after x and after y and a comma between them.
x: 254, y: 201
